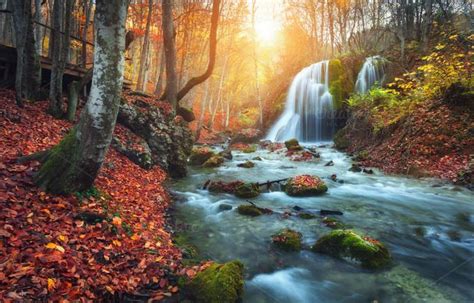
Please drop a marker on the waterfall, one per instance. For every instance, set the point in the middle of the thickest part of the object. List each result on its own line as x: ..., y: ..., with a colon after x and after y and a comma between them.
x: 372, y: 72
x: 309, y: 110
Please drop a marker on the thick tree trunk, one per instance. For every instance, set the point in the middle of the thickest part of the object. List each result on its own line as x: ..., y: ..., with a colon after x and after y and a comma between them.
x: 88, y: 9
x: 74, y: 163
x: 141, y: 83
x: 171, y: 90
x: 28, y: 69
x: 426, y: 24
x: 159, y: 82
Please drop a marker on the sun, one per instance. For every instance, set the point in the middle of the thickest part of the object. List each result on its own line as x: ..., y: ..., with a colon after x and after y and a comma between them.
x: 266, y: 30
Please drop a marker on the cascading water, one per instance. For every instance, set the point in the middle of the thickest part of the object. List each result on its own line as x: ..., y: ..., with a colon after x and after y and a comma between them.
x: 372, y: 72
x: 309, y: 109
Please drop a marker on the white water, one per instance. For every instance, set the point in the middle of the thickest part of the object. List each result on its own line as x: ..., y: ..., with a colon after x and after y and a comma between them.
x: 372, y: 72
x: 309, y: 110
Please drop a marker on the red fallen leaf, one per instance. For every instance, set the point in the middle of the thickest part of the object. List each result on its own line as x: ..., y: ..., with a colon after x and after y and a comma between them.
x: 163, y: 283
x: 190, y: 273
x: 4, y: 233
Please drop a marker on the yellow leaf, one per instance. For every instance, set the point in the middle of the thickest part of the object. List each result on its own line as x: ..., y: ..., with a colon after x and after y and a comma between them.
x: 51, y: 245
x: 158, y: 259
x: 51, y: 284
x: 63, y: 238
x: 117, y: 221
x: 117, y: 243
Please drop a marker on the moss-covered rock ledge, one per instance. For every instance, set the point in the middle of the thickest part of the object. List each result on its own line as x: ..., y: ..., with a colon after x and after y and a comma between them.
x: 219, y: 283
x: 347, y: 244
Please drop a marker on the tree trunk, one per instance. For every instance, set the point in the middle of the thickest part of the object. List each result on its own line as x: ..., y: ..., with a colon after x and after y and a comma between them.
x: 426, y: 24
x: 171, y: 90
x: 88, y: 9
x: 159, y: 82
x: 28, y: 69
x: 203, y: 111
x: 141, y: 83
x: 74, y: 163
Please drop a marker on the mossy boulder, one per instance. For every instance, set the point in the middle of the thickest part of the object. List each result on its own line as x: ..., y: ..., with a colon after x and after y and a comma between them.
x: 247, y: 190
x: 293, y: 145
x: 305, y: 185
x: 306, y: 216
x: 223, y: 187
x: 186, y: 113
x: 219, y: 283
x: 250, y: 149
x: 287, y: 239
x: 200, y: 155
x: 246, y: 164
x: 340, y: 140
x: 347, y: 244
x: 249, y: 210
x: 214, y: 161
x: 226, y: 154
x: 355, y: 168
x: 340, y: 85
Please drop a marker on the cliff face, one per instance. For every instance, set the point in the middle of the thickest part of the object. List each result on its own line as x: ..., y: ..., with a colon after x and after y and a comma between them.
x: 168, y: 139
x: 436, y: 139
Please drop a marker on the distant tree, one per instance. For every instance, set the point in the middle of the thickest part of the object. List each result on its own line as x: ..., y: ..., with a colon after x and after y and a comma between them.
x: 74, y: 163
x: 28, y: 68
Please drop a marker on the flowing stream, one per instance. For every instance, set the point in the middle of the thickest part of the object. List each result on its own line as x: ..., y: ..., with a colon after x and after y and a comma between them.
x: 427, y: 226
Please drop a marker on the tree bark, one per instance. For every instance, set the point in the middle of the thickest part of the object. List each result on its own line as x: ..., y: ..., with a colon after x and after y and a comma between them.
x: 74, y: 163
x: 159, y: 82
x: 88, y: 9
x: 171, y: 89
x: 141, y: 83
x: 28, y: 69
x: 212, y: 56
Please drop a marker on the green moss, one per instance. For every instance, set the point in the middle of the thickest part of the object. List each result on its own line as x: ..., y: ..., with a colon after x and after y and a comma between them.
x: 247, y: 190
x: 61, y: 173
x: 340, y: 85
x: 293, y: 145
x: 219, y: 283
x: 246, y: 164
x: 189, y: 251
x: 214, y: 161
x: 303, y: 186
x: 250, y: 149
x: 306, y: 216
x: 200, y: 155
x: 249, y: 210
x: 288, y: 240
x: 340, y: 140
x: 346, y: 243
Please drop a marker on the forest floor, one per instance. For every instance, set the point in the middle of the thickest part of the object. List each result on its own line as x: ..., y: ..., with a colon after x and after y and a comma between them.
x: 105, y: 242
x: 435, y: 140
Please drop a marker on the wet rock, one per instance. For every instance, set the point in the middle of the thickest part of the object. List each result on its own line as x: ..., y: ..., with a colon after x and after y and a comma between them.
x: 224, y: 207
x: 226, y: 154
x: 333, y: 223
x: 340, y: 140
x: 257, y: 159
x: 287, y: 239
x: 223, y: 187
x: 305, y: 185
x: 368, y: 171
x: 138, y: 152
x: 333, y: 177
x: 246, y: 164
x: 306, y: 216
x: 170, y: 140
x: 249, y: 210
x: 454, y: 235
x: 325, y: 212
x: 214, y: 161
x: 186, y: 113
x: 219, y: 283
x: 250, y: 149
x: 355, y: 168
x: 330, y: 163
x: 199, y: 155
x: 361, y: 156
x: 247, y: 190
x: 347, y: 244
x: 293, y: 145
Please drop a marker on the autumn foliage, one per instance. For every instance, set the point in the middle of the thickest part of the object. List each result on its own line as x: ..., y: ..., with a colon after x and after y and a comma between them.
x: 109, y: 240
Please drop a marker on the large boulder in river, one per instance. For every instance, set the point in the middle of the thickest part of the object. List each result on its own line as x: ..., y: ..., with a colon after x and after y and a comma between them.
x: 219, y: 283
x: 247, y: 190
x: 214, y: 161
x: 199, y: 155
x: 305, y: 185
x: 293, y: 145
x: 287, y: 239
x: 224, y: 187
x: 170, y: 139
x: 249, y: 210
x: 347, y: 244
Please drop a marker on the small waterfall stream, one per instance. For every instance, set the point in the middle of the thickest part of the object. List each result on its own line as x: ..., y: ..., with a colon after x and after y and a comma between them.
x: 372, y: 72
x: 309, y: 110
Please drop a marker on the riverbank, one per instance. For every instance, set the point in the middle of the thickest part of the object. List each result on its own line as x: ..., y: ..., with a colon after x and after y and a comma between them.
x: 109, y: 242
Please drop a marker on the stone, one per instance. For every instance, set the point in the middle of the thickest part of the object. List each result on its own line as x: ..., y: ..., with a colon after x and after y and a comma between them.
x: 214, y: 161
x: 293, y: 145
x: 226, y: 154
x: 288, y: 240
x: 199, y: 155
x: 330, y: 163
x: 249, y: 210
x: 369, y: 252
x: 305, y: 185
x: 246, y: 164
x: 355, y: 168
x: 247, y: 191
x: 224, y: 207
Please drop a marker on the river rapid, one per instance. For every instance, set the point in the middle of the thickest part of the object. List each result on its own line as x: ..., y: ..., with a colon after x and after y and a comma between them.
x: 427, y: 225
